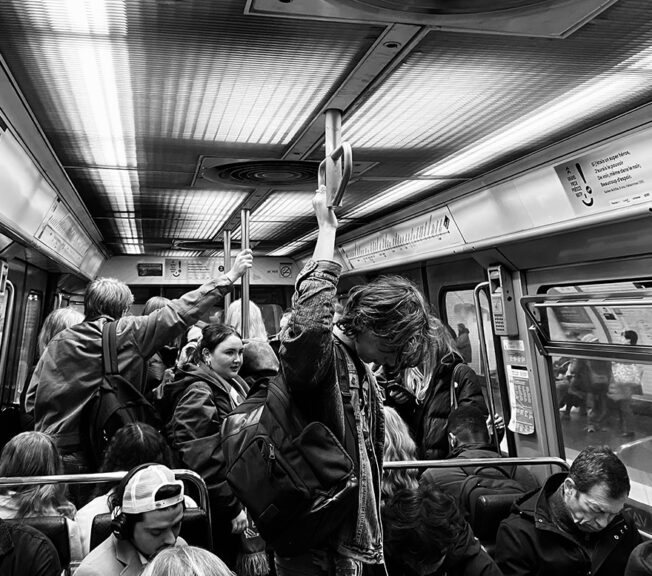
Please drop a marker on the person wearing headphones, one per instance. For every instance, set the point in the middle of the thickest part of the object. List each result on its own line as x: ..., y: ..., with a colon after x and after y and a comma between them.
x: 147, y: 509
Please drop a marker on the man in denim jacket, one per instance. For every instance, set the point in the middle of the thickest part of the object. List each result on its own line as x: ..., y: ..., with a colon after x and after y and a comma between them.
x: 385, y: 322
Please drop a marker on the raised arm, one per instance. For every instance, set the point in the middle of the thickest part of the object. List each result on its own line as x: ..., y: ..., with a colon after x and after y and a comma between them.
x: 307, y: 342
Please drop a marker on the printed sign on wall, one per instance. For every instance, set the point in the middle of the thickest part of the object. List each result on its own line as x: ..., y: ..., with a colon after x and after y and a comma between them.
x: 613, y: 176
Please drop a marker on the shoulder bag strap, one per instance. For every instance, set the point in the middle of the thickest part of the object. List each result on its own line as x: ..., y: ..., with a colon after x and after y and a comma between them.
x: 109, y: 348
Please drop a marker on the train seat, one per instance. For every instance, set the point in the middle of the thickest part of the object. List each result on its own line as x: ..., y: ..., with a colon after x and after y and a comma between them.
x: 490, y: 510
x: 195, y: 529
x: 55, y: 528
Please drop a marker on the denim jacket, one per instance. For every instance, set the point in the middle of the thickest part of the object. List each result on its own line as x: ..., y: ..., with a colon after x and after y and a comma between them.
x: 308, y: 359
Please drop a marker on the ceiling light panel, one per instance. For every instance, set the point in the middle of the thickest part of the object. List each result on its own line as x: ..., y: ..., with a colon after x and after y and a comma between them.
x: 457, y: 87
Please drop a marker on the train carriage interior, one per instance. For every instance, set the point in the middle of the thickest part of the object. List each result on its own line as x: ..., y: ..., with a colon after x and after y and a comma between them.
x: 497, y: 154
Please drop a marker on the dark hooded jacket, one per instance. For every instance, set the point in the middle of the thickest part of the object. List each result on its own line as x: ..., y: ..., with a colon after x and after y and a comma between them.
x: 427, y: 419
x: 530, y: 542
x: 466, y: 558
x: 194, y: 404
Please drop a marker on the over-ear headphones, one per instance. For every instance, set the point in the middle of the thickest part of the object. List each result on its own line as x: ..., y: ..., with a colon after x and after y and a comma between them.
x: 121, y: 526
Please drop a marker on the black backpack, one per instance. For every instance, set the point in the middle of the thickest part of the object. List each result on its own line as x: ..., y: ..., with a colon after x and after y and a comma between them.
x: 116, y: 402
x: 489, y: 480
x: 296, y: 479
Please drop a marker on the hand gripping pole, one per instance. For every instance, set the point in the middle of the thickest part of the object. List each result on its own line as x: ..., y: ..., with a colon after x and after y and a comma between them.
x: 335, y: 170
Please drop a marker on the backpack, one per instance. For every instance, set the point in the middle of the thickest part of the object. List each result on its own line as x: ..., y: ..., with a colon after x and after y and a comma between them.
x: 478, y: 483
x: 115, y: 403
x: 294, y: 476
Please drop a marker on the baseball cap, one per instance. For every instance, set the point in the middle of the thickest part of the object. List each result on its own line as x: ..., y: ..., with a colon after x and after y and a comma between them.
x: 141, y: 489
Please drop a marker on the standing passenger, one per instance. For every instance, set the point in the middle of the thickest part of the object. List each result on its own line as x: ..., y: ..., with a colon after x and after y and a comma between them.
x: 428, y: 402
x: 194, y: 404
x: 257, y: 330
x: 385, y: 322
x: 70, y: 371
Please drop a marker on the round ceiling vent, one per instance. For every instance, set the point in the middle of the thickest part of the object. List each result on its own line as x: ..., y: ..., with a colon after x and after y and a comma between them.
x: 267, y: 173
x: 446, y: 7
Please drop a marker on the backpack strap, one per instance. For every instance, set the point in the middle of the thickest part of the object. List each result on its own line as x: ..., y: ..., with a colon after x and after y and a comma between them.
x: 110, y: 348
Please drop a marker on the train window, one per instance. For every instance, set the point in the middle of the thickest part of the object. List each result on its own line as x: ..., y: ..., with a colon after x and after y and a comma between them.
x: 28, y: 341
x: 460, y: 315
x: 596, y: 336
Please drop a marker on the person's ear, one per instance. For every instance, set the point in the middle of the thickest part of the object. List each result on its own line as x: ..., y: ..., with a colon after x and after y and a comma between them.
x: 569, y: 486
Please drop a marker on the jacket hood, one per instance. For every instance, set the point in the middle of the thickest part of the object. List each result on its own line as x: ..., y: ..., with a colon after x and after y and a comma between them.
x: 536, y: 505
x: 167, y: 394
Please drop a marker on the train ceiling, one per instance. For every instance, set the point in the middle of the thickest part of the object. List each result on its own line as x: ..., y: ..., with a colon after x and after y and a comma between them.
x: 170, y: 116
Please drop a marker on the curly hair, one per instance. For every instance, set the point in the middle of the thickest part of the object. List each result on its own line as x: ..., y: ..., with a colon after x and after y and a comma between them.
x: 421, y: 524
x: 391, y: 308
x: 399, y: 445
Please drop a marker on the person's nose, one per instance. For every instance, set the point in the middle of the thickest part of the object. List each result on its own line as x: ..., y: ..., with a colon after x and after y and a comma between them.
x: 170, y: 537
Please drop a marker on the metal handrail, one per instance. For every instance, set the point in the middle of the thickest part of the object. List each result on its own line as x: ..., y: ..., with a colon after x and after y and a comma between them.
x: 484, y: 359
x: 6, y: 333
x: 345, y: 152
x: 101, y: 477
x: 464, y: 462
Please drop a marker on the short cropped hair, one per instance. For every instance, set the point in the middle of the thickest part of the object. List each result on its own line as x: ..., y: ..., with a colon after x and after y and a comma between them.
x: 468, y: 423
x: 155, y: 303
x: 597, y: 465
x: 391, y: 308
x: 55, y: 322
x: 422, y: 524
x: 632, y: 336
x: 135, y: 444
x: 186, y: 561
x: 107, y: 297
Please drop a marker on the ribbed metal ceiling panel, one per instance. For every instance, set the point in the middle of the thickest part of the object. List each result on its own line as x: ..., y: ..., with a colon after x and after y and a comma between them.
x: 132, y: 94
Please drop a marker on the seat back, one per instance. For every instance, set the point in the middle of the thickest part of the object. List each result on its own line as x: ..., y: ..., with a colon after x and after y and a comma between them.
x: 55, y: 528
x: 195, y: 529
x: 490, y: 510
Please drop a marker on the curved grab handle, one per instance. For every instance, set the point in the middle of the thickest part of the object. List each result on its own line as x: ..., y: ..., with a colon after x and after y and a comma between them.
x: 336, y: 189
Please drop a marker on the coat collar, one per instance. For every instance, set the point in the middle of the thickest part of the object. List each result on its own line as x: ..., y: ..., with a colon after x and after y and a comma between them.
x: 127, y: 555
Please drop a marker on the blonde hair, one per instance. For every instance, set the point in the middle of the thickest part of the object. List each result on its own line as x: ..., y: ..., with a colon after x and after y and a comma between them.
x: 257, y: 330
x: 55, y: 322
x: 186, y: 561
x: 399, y: 445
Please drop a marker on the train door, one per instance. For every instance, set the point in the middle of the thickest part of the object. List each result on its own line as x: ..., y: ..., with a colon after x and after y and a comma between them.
x: 592, y: 327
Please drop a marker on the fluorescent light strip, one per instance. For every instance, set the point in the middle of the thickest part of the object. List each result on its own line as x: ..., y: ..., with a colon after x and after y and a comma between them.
x: 76, y: 63
x: 290, y: 247
x: 621, y: 85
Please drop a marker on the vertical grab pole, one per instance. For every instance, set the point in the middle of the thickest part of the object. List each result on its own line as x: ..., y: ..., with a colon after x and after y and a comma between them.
x: 332, y: 138
x: 227, y: 266
x: 484, y: 359
x: 244, y: 227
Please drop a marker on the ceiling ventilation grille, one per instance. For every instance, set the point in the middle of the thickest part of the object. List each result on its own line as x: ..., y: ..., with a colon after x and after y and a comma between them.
x: 282, y: 174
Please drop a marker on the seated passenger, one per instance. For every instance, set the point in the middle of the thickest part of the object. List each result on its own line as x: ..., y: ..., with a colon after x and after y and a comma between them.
x: 147, y: 510
x: 574, y: 525
x: 468, y: 437
x: 194, y: 404
x: 399, y: 446
x: 70, y: 372
x: 425, y: 535
x: 186, y: 561
x: 132, y: 445
x: 24, y: 551
x: 34, y: 454
x: 422, y: 396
